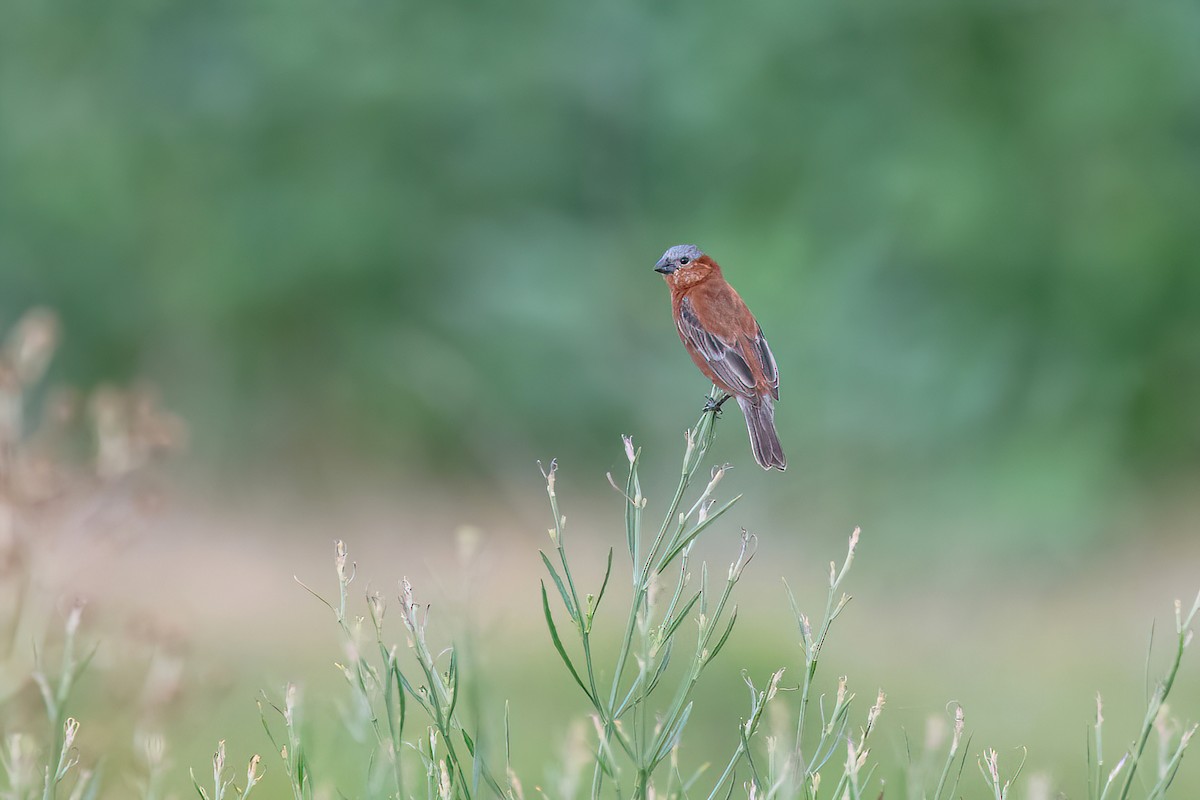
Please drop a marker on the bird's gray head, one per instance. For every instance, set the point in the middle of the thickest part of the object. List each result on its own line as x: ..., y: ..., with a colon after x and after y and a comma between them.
x: 678, y: 256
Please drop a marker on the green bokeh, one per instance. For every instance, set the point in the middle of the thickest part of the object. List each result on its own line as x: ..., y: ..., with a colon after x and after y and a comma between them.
x: 421, y: 233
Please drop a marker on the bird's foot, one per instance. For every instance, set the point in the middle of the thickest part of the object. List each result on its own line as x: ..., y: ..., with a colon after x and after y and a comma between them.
x: 715, y: 405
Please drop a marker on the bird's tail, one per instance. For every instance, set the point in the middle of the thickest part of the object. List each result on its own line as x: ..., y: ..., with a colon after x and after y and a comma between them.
x: 760, y: 421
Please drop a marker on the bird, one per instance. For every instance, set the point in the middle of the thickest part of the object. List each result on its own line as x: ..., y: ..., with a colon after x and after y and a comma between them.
x: 727, y: 344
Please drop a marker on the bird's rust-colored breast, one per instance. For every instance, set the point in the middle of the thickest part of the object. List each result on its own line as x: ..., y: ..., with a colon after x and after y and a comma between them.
x: 701, y: 292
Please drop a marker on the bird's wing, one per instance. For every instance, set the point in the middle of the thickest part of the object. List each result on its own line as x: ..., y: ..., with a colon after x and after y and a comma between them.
x: 725, y: 358
x: 767, y: 359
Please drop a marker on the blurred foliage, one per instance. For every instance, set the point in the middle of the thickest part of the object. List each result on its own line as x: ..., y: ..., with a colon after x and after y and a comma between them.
x: 424, y: 231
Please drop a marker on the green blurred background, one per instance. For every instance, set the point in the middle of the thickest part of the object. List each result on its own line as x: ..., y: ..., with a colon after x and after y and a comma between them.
x: 408, y: 247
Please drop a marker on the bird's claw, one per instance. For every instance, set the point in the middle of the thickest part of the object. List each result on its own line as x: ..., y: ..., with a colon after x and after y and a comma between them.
x: 715, y: 405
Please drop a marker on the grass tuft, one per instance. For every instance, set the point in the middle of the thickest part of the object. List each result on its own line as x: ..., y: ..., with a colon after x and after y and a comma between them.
x: 404, y: 726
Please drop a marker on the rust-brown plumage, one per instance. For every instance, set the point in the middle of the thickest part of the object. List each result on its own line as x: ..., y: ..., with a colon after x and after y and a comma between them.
x: 726, y: 342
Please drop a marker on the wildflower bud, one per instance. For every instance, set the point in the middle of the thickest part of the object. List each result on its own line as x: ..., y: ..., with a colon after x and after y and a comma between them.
x: 717, y: 474
x: 377, y: 605
x: 69, y: 730
x: 629, y: 451
x: 806, y: 630
x: 873, y: 714
x: 219, y: 760
x: 845, y: 598
x: 773, y: 685
x: 252, y: 774
x: 841, y: 690
x: 745, y: 555
x: 1099, y: 710
x: 815, y: 778
x: 152, y: 748
x: 156, y: 750
x: 959, y: 724
x: 1187, y: 736
x: 990, y: 760
x: 291, y: 702
x: 548, y: 474
x: 339, y: 558
x: 406, y: 605
x: 74, y: 615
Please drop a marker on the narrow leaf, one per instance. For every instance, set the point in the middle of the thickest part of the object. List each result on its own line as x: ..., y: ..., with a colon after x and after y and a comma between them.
x: 558, y: 645
x: 562, y: 589
x: 604, y: 583
x: 452, y: 678
x: 196, y: 783
x: 632, y: 517
x: 694, y: 532
x: 724, y: 637
x: 669, y: 741
x: 677, y: 621
x: 662, y: 668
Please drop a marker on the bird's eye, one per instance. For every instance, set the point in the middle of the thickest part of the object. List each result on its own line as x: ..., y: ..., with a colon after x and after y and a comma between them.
x: 684, y: 261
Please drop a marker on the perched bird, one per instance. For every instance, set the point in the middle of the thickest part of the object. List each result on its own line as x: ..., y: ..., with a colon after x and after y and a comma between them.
x: 727, y: 344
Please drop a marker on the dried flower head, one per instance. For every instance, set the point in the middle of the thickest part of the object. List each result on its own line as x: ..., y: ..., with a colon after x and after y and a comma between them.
x: 151, y: 747
x: 70, y: 728
x: 252, y: 773
x: 32, y: 343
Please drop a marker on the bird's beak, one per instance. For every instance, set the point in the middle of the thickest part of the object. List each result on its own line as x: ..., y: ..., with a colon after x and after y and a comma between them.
x: 665, y: 267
